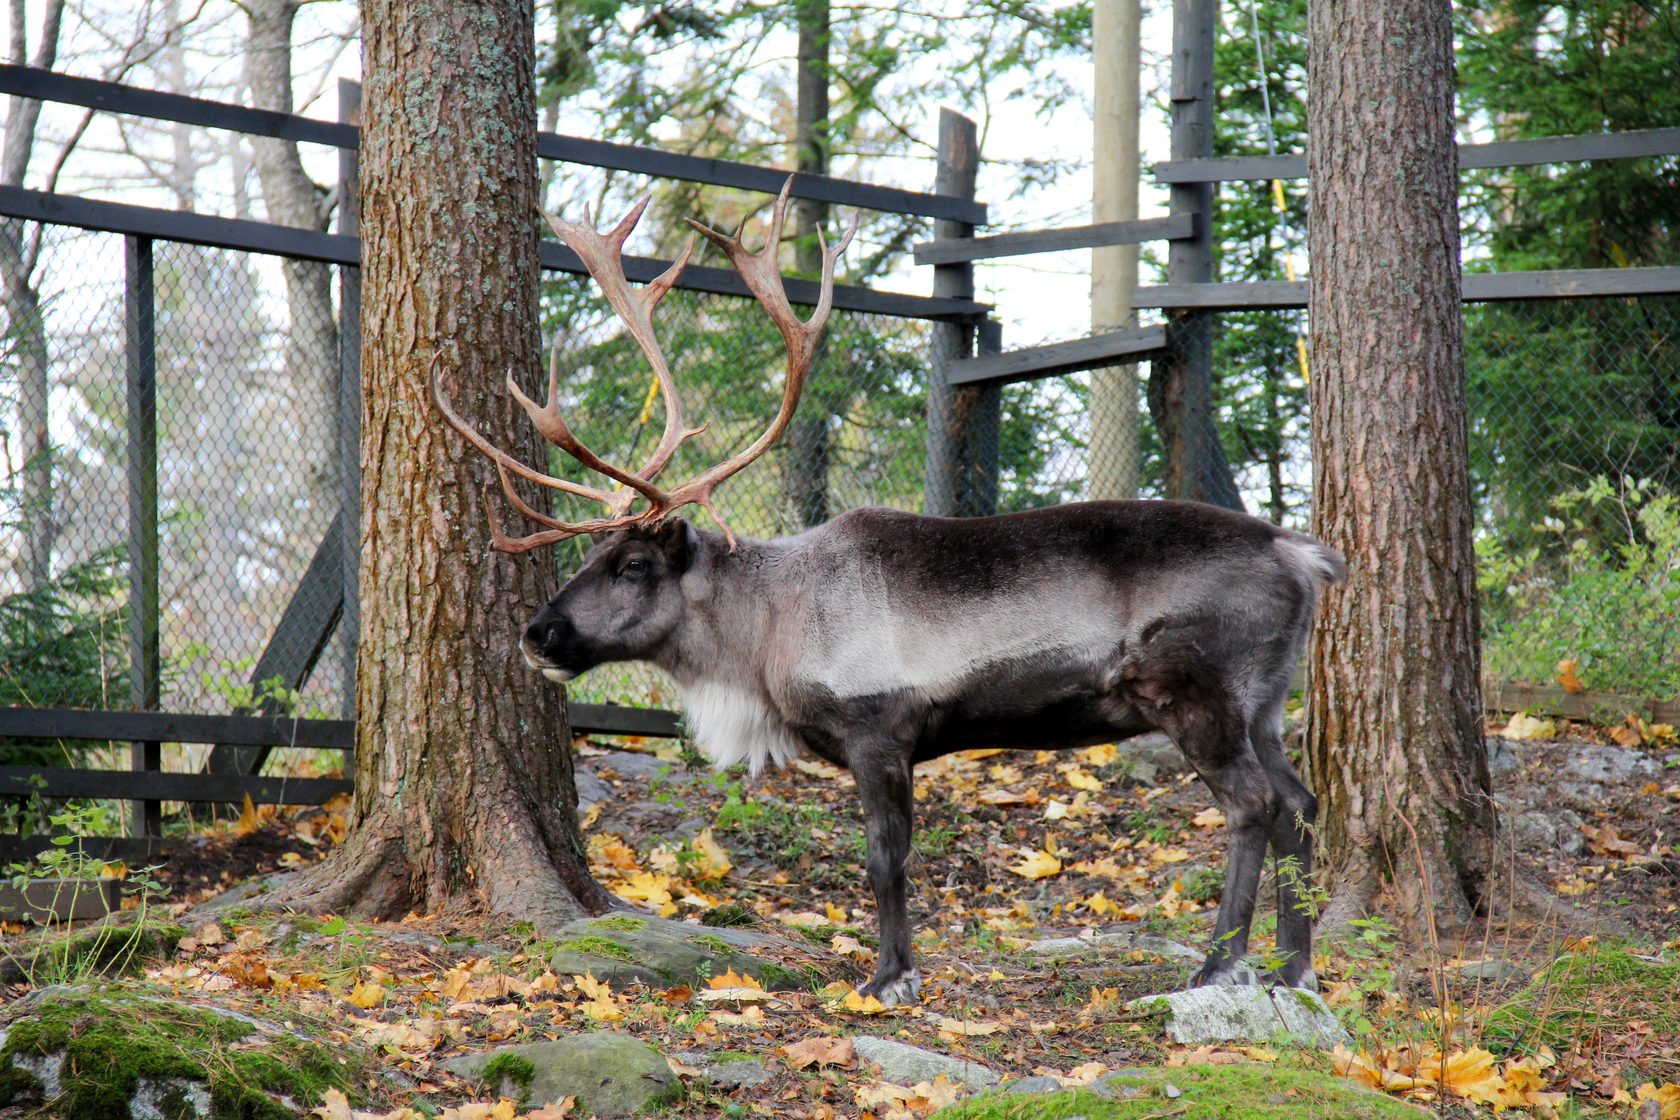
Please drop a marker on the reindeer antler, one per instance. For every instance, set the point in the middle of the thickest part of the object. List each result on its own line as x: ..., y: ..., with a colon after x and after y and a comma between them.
x: 603, y: 256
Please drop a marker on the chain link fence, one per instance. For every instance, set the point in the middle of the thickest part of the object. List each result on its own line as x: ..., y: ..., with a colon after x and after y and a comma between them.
x: 1575, y: 443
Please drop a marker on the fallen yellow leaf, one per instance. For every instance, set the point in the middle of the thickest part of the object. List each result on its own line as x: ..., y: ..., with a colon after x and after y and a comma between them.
x: 1037, y: 865
x: 820, y: 1051
x: 714, y: 861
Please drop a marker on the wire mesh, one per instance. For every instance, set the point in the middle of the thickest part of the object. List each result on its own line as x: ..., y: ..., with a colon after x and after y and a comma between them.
x: 1574, y: 410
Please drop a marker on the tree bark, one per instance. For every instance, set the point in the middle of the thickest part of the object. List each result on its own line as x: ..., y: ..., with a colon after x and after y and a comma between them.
x: 1116, y: 425
x: 808, y: 435
x: 20, y: 299
x: 1394, y: 738
x: 293, y: 199
x: 463, y: 761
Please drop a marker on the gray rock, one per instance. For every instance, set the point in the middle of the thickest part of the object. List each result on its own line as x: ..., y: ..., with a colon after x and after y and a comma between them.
x: 903, y: 1064
x: 1589, y: 763
x: 1244, y: 1014
x: 1504, y: 755
x: 169, y: 1098
x: 1494, y: 972
x: 624, y: 948
x: 1121, y: 1085
x: 737, y: 1073
x: 1148, y: 758
x: 1113, y: 940
x: 1038, y: 1084
x: 610, y: 1074
x: 1547, y: 830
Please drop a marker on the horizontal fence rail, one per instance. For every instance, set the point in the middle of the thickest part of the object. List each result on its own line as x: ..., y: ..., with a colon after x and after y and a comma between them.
x: 279, y: 731
x: 956, y: 250
x: 250, y: 236
x: 1479, y: 287
x: 114, y: 97
x: 1095, y: 352
x: 1471, y: 157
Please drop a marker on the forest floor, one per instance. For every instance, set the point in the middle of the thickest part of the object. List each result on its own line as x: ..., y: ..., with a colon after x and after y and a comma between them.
x: 1567, y: 1013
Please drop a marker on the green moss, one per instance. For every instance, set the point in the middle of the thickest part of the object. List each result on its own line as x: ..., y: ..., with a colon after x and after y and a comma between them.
x: 508, y: 1069
x: 715, y: 944
x: 1241, y: 1092
x: 17, y: 1084
x: 1575, y: 994
x: 622, y: 922
x: 596, y: 947
x: 111, y: 1037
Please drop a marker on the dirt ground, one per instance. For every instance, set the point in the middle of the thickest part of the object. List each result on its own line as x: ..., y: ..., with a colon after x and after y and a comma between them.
x: 1567, y: 1005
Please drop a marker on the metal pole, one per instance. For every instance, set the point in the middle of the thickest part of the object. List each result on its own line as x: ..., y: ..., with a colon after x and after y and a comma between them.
x: 349, y: 419
x: 144, y: 659
x: 957, y: 417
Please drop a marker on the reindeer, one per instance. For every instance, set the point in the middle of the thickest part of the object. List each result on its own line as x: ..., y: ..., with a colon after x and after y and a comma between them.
x: 882, y: 639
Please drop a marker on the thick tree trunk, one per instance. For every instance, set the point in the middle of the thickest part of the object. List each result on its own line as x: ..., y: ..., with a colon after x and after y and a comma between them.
x: 1394, y: 741
x: 463, y: 761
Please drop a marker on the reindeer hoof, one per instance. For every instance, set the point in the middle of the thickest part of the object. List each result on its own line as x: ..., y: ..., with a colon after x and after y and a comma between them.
x: 1307, y: 981
x: 899, y: 991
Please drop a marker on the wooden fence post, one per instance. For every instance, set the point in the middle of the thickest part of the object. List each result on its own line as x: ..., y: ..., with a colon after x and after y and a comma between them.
x: 962, y: 420
x: 144, y: 661
x: 1181, y: 383
x: 349, y: 399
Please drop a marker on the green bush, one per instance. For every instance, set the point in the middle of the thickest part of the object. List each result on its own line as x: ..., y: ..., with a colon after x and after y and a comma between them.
x: 1605, y: 593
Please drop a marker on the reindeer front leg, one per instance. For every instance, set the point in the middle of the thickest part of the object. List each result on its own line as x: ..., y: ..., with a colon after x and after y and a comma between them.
x: 882, y: 772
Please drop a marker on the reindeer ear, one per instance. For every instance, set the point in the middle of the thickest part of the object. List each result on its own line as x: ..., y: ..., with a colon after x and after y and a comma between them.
x: 678, y: 541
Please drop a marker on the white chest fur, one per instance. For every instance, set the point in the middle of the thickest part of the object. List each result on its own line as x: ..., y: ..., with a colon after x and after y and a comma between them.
x: 733, y: 726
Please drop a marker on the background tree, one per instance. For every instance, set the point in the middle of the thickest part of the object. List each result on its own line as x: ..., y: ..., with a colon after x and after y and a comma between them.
x: 1394, y: 735
x: 464, y: 772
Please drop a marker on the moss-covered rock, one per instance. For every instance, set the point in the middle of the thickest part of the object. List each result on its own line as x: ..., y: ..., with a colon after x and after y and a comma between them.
x: 623, y: 949
x: 610, y: 1074
x: 1240, y: 1092
x: 111, y: 1051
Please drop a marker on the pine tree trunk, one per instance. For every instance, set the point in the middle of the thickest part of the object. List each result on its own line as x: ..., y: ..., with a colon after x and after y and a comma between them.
x: 463, y: 759
x: 807, y: 438
x: 1394, y: 741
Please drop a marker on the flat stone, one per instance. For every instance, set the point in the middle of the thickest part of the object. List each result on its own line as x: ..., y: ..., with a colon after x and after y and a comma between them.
x: 169, y: 1098
x: 737, y: 1073
x: 1028, y: 1085
x: 610, y: 1074
x: 1591, y: 763
x: 624, y: 949
x: 1244, y: 1013
x: 1547, y: 830
x: 1504, y: 755
x: 1148, y: 758
x: 1495, y: 972
x: 903, y: 1064
x: 1114, y: 940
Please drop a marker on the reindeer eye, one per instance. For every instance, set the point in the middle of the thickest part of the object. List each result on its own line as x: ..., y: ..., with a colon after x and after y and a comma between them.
x: 635, y: 566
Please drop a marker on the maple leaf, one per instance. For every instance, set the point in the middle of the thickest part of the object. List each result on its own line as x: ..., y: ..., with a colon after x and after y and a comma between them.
x: 1667, y: 1098
x: 733, y: 979
x: 1103, y: 754
x: 958, y: 1028
x: 1037, y: 865
x: 557, y: 1110
x: 366, y: 995
x: 601, y: 1006
x: 820, y: 1051
x: 1209, y: 818
x: 1568, y: 675
x: 1079, y: 779
x: 334, y: 1104
x: 645, y: 886
x: 714, y: 861
x: 1169, y: 855
x: 862, y: 1005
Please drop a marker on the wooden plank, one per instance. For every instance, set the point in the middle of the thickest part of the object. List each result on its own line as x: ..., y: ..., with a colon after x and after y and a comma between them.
x: 1500, y: 153
x: 134, y: 850
x: 173, y: 727
x: 1505, y: 697
x: 67, y: 900
x: 616, y: 719
x: 279, y: 731
x: 296, y: 644
x: 959, y: 249
x: 152, y: 785
x: 313, y: 245
x: 1479, y: 287
x: 113, y: 97
x: 1094, y: 352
